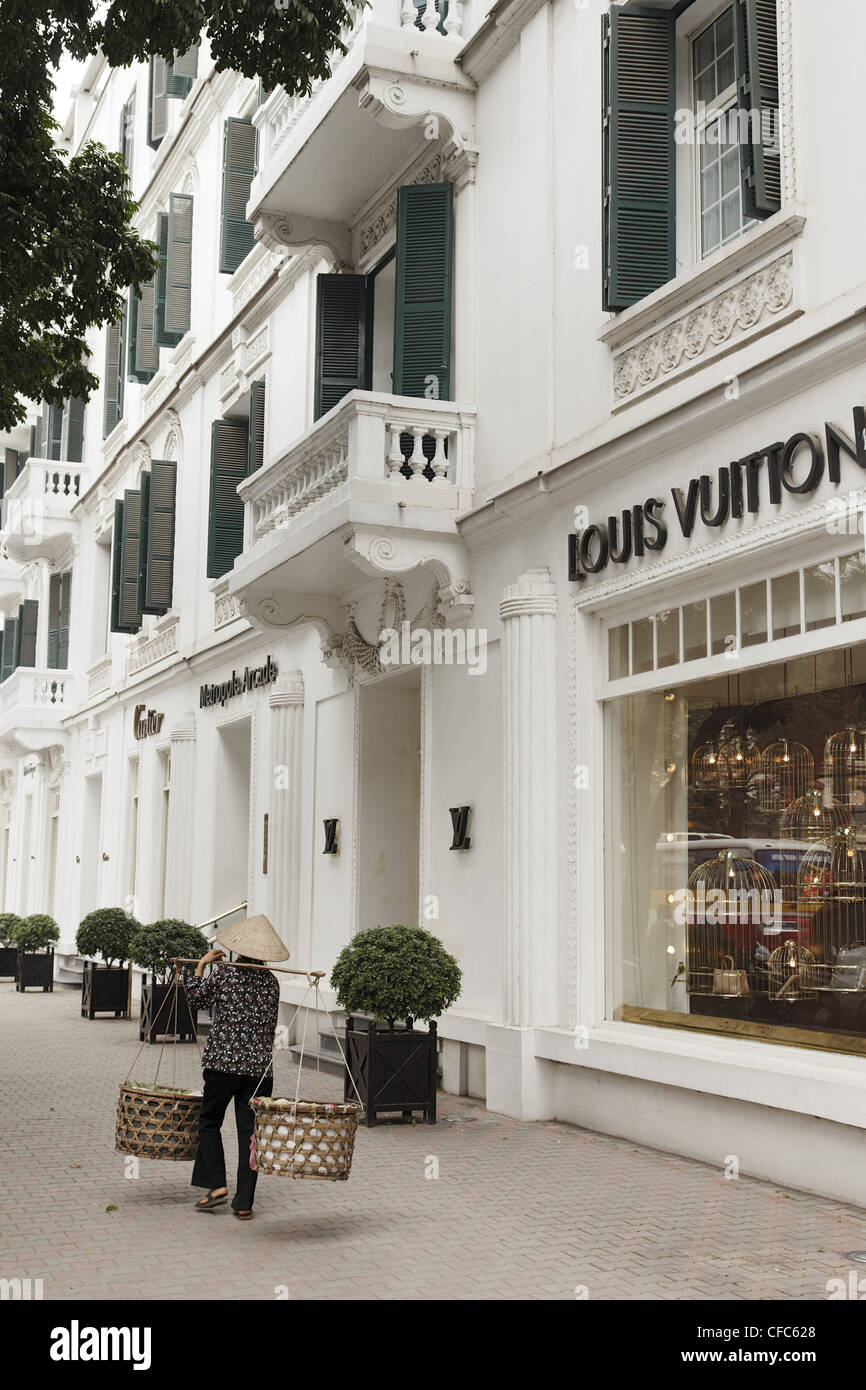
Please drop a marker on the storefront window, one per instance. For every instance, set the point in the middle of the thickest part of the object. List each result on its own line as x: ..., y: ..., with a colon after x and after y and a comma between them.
x: 737, y: 845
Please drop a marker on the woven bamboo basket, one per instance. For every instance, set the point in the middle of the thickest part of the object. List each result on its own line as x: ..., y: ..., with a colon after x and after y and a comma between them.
x: 157, y: 1122
x: 305, y: 1138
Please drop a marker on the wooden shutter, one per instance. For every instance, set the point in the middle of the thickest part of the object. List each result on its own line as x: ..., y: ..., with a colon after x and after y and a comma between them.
x: 162, y: 337
x: 239, y: 170
x: 55, y: 432
x: 257, y: 427
x: 422, y: 322
x: 12, y: 465
x: 178, y: 264
x: 181, y: 72
x: 28, y: 621
x: 639, y: 191
x: 144, y: 507
x: 341, y: 339
x: 10, y: 642
x: 127, y: 136
x: 116, y: 552
x: 157, y: 104
x: 159, y: 559
x: 41, y: 450
x: 72, y: 444
x: 228, y: 468
x: 757, y: 43
x: 59, y: 595
x: 113, y: 378
x: 130, y: 562
x: 142, y: 355
x: 65, y: 614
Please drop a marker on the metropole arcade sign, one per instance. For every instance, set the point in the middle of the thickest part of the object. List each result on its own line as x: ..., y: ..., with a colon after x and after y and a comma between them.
x: 797, y: 465
x: 238, y: 683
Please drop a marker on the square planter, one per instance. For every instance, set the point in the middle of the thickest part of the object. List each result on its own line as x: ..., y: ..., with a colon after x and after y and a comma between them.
x: 35, y: 971
x: 393, y: 1069
x: 158, y: 1014
x: 9, y: 962
x: 105, y: 989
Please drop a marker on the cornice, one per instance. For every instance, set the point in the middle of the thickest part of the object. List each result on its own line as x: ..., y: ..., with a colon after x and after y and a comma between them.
x: 495, y: 37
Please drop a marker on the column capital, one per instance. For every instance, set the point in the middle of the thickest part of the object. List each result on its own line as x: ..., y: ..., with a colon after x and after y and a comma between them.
x: 184, y: 730
x: 533, y: 595
x: 289, y: 690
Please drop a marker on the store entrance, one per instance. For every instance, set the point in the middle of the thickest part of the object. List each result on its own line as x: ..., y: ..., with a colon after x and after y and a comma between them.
x: 232, y: 817
x: 389, y: 812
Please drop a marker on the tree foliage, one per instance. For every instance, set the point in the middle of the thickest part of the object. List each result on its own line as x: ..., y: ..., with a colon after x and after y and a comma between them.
x: 106, y: 932
x: 396, y: 972
x: 68, y: 250
x: 36, y: 932
x: 154, y: 946
x: 9, y: 924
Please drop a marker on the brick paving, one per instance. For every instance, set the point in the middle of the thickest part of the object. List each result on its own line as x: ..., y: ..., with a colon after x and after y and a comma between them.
x: 519, y: 1210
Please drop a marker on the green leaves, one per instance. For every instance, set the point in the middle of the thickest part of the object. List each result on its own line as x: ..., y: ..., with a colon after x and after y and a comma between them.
x: 36, y: 932
x: 153, y: 946
x: 396, y: 972
x: 106, y: 932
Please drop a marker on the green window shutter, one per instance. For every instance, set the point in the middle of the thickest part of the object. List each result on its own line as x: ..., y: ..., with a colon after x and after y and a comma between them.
x: 42, y: 433
x: 127, y: 136
x: 159, y: 559
x: 181, y: 72
x: 341, y: 339
x: 113, y: 378
x: 54, y: 622
x: 11, y: 468
x: 161, y: 335
x: 130, y: 562
x: 116, y: 549
x: 422, y: 321
x: 157, y: 104
x: 28, y: 620
x: 228, y: 468
x: 178, y: 264
x: 72, y: 444
x: 144, y: 508
x: 142, y: 356
x: 239, y: 170
x: 757, y: 46
x: 10, y: 643
x: 639, y: 192
x: 55, y: 431
x: 257, y: 427
x: 65, y: 615
x: 34, y: 441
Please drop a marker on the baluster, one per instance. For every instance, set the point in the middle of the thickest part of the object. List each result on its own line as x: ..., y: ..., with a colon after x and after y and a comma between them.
x: 418, y: 462
x: 454, y: 19
x: 408, y: 14
x: 395, y: 457
x: 439, y: 462
x: 430, y: 18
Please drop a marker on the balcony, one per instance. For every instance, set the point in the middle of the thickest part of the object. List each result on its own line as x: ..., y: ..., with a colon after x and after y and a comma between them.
x: 37, y: 512
x: 397, y: 92
x: 377, y: 484
x: 33, y: 704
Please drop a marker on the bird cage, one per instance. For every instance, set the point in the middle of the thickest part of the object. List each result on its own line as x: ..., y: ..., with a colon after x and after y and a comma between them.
x: 705, y: 767
x: 787, y: 771
x: 831, y: 898
x: 739, y: 758
x: 811, y: 819
x: 845, y: 766
x: 730, y: 900
x: 791, y: 972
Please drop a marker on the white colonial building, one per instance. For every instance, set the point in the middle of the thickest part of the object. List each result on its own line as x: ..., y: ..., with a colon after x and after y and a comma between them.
x: 541, y: 331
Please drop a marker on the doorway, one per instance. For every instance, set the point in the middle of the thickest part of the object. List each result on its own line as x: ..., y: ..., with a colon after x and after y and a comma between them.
x: 90, y: 849
x: 232, y: 833
x: 389, y: 802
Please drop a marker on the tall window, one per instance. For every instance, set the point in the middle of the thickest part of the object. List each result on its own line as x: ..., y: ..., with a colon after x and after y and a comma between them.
x: 720, y: 197
x: 163, y: 838
x: 4, y: 851
x: 53, y: 835
x: 134, y: 772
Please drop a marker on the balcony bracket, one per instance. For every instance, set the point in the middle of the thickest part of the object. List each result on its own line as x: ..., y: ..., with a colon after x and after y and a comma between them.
x: 377, y: 554
x: 278, y: 230
x: 288, y: 610
x: 446, y: 112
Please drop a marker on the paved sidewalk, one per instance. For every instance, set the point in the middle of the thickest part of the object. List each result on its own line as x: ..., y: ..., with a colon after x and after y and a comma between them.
x: 517, y: 1211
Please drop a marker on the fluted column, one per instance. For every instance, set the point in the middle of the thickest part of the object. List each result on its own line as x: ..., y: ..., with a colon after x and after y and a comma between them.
x: 284, y: 820
x: 528, y: 612
x: 181, y: 816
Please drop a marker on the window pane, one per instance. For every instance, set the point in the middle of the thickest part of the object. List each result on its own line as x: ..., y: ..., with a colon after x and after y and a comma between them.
x: 786, y: 605
x: 725, y: 70
x: 753, y: 614
x: 704, y: 50
x: 730, y: 216
x: 852, y: 575
x: 731, y: 171
x: 710, y: 222
x: 617, y: 653
x: 725, y: 29
x: 723, y: 619
x: 710, y: 185
x: 641, y: 646
x: 668, y: 637
x: 695, y: 631
x: 705, y: 86
x: 820, y: 585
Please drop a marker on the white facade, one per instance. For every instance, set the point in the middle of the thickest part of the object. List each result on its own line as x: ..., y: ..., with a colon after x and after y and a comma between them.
x: 558, y: 416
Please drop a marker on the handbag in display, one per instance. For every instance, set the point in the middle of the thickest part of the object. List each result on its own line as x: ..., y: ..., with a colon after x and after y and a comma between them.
x: 730, y: 980
x: 849, y: 972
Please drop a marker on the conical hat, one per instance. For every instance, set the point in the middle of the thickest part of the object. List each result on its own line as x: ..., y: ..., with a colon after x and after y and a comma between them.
x: 255, y: 937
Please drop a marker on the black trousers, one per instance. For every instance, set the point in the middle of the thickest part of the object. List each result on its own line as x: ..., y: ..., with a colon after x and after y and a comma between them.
x: 210, y: 1162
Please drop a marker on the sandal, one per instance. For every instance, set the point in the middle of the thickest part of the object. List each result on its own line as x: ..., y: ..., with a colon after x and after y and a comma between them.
x: 210, y: 1203
x: 243, y: 1215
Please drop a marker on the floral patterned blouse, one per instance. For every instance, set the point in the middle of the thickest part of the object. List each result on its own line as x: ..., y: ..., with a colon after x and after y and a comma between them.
x: 244, y: 1004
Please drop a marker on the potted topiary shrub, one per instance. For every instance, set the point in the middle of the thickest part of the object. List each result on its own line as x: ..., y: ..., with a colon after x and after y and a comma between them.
x: 35, y: 937
x: 106, y: 988
x: 164, y: 1012
x: 385, y: 979
x: 8, y: 950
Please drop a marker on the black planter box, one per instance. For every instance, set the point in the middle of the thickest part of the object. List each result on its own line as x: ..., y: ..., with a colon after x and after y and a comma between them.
x: 393, y: 1069
x: 9, y: 962
x: 160, y: 1016
x: 35, y: 970
x: 105, y: 989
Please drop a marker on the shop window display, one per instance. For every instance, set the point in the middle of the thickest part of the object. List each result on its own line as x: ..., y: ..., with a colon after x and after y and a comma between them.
x: 737, y: 859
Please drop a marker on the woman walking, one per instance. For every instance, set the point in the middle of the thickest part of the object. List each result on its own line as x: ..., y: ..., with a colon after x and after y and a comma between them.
x: 237, y: 1058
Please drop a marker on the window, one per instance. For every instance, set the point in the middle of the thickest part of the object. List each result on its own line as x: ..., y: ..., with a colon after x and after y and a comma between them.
x: 720, y: 201
x: 134, y: 773
x: 59, y: 609
x: 18, y: 638
x: 142, y: 567
x: 165, y: 81
x: 237, y: 450
x: 143, y: 351
x: 165, y: 760
x: 53, y: 837
x: 239, y: 170
x: 126, y: 144
x: 112, y: 381
x: 737, y: 873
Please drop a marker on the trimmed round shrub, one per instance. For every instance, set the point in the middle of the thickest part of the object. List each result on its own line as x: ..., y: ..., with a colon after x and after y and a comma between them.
x: 153, y: 946
x: 106, y: 932
x: 36, y: 932
x: 9, y: 924
x: 396, y: 972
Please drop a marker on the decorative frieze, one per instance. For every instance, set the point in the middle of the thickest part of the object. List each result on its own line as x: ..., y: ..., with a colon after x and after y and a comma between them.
x: 156, y: 649
x: 384, y: 219
x: 227, y: 608
x: 99, y: 678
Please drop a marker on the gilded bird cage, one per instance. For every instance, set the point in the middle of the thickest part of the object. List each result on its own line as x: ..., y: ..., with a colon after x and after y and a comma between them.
x: 791, y: 972
x: 705, y: 767
x: 787, y: 771
x: 831, y: 898
x: 845, y: 766
x: 809, y: 819
x: 739, y: 758
x: 730, y: 902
